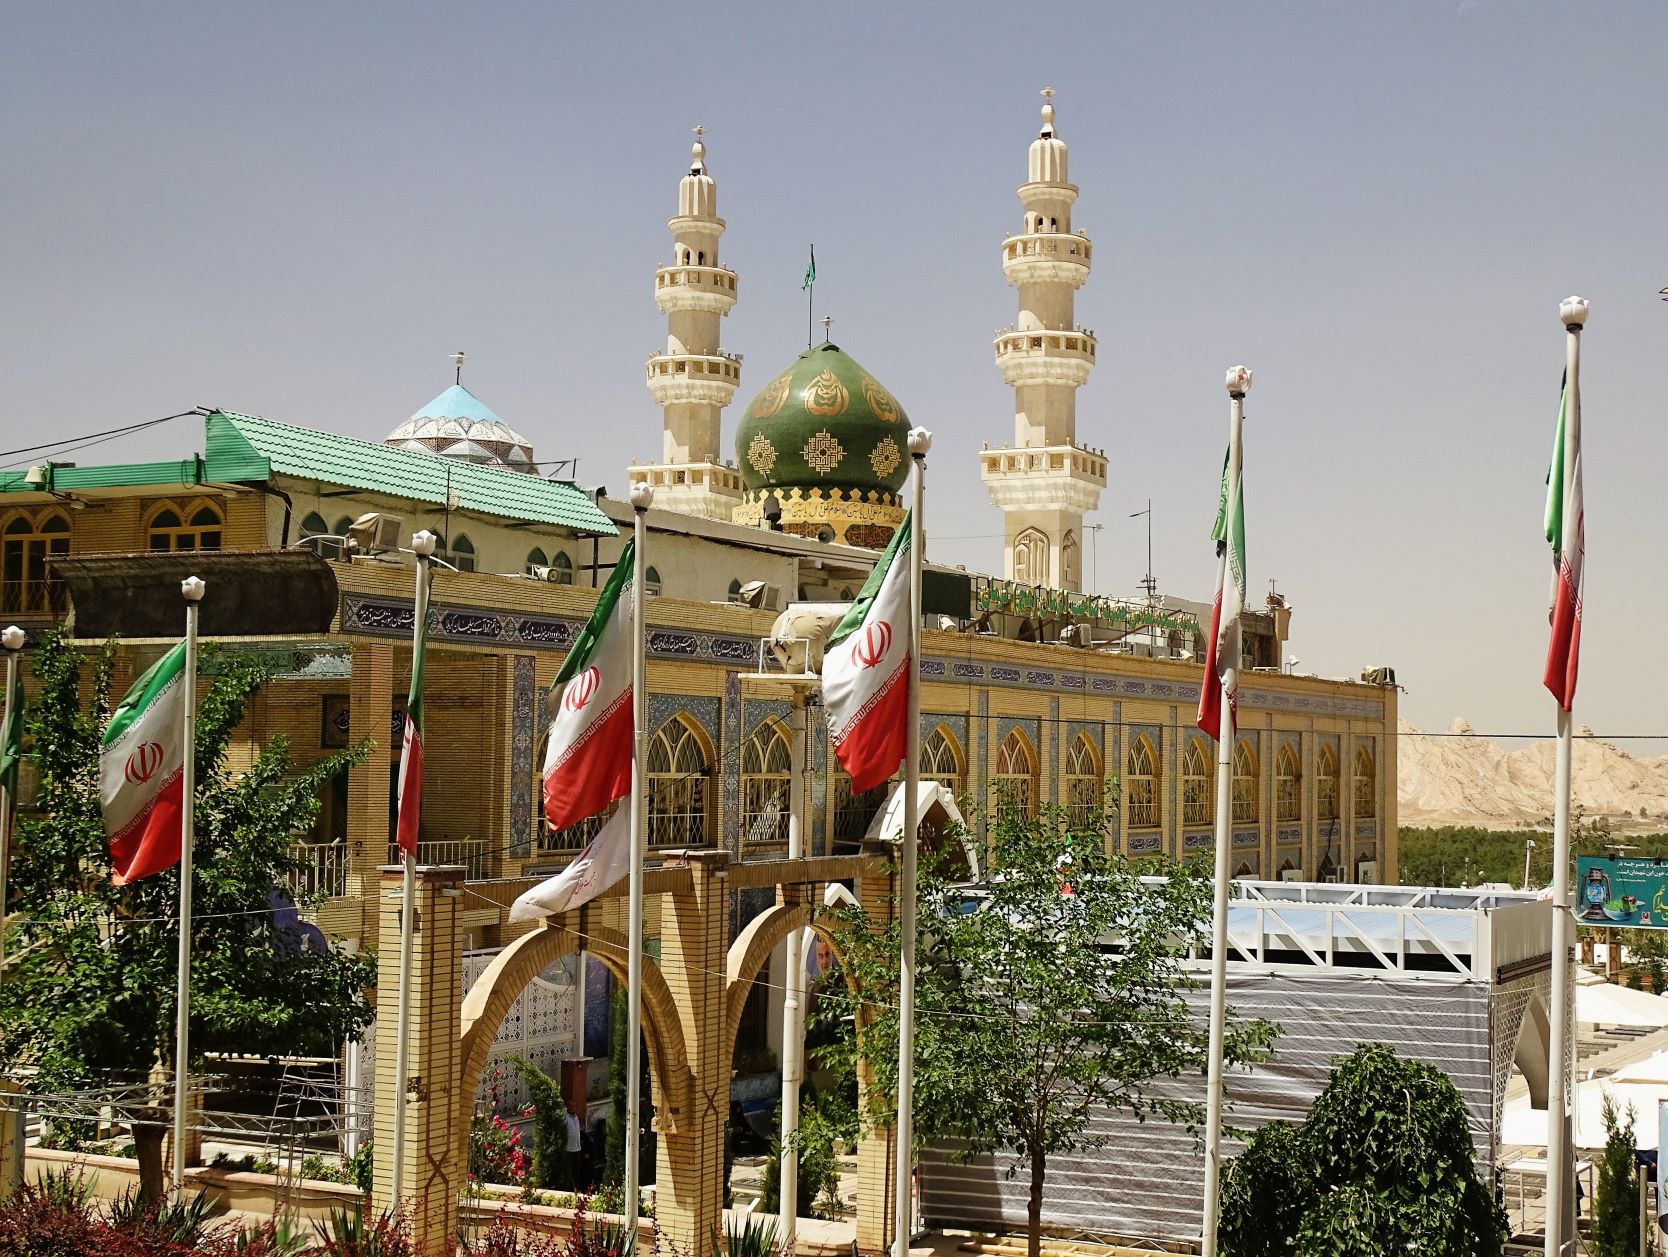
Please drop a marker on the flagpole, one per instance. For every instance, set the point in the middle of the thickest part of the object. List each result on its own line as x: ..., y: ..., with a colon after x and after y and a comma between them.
x: 920, y: 441
x: 11, y: 639
x: 192, y: 590
x: 1559, y: 1173
x: 422, y: 547
x: 793, y: 1025
x: 1239, y: 382
x: 642, y: 496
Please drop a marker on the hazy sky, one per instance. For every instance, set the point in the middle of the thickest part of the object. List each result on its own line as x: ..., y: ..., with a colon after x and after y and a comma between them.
x: 299, y: 210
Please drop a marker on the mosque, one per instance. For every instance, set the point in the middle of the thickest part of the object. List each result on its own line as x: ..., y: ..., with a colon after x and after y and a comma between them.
x: 1031, y: 687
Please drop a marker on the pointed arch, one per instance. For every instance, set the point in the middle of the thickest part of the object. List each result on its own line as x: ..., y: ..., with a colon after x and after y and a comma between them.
x: 1245, y: 783
x: 27, y: 582
x: 942, y: 760
x: 1084, y: 775
x: 1288, y: 784
x: 1198, y: 784
x: 1030, y: 562
x: 198, y: 525
x: 1366, y: 782
x: 679, y: 765
x: 1070, y: 576
x: 1014, y: 783
x: 1142, y: 779
x: 1326, y: 784
x: 766, y: 778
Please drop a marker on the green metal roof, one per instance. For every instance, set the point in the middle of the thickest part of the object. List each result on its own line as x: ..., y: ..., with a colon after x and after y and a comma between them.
x: 108, y: 476
x: 247, y: 447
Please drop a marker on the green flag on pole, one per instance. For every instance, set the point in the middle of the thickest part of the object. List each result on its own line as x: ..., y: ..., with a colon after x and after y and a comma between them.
x: 810, y: 271
x: 11, y: 735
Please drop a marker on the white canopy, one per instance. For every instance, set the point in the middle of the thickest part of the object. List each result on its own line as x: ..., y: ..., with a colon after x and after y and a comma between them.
x: 1601, y: 1003
x: 1521, y: 1124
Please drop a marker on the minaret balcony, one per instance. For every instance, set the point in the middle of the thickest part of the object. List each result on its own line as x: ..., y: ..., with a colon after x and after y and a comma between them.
x: 1047, y: 257
x: 709, y: 289
x: 708, y: 378
x: 1062, y: 477
x: 1043, y: 356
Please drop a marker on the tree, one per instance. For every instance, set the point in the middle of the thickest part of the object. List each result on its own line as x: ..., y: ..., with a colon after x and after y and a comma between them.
x: 1616, y: 1203
x: 1059, y: 994
x: 88, y: 991
x: 1384, y: 1163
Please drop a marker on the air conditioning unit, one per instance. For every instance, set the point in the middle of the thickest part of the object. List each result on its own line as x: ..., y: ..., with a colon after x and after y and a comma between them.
x: 376, y: 532
x: 760, y: 594
x: 1380, y: 676
x: 1366, y: 872
x: 1291, y: 875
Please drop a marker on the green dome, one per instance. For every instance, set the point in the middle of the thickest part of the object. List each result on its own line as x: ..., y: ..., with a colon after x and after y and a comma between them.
x: 824, y: 424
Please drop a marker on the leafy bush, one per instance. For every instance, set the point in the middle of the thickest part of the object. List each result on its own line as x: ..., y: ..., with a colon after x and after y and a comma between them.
x: 549, y: 1166
x: 744, y: 1239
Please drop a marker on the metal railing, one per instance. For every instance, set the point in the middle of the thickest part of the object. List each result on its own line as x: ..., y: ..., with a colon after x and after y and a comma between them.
x: 325, y: 872
x: 470, y: 852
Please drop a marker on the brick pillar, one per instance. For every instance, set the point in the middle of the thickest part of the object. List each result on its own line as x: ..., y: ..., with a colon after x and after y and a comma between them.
x: 433, y: 1175
x: 877, y: 1152
x: 11, y: 1137
x: 694, y: 946
x: 370, y: 715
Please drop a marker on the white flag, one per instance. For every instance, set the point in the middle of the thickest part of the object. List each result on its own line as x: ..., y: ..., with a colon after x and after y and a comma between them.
x: 604, y: 861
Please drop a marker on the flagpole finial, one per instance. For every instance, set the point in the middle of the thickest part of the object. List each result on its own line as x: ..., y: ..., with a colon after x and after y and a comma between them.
x: 1239, y: 381
x: 457, y: 366
x: 422, y: 544
x: 920, y: 441
x: 1573, y: 311
x: 192, y: 588
x: 642, y: 496
x: 12, y: 637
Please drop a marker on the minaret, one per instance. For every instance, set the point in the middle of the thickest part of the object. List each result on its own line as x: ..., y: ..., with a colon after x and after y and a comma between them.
x: 1047, y: 481
x: 693, y: 380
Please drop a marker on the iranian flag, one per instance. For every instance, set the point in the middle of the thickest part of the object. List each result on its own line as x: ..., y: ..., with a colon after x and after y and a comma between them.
x: 11, y: 741
x: 411, y: 745
x: 1566, y: 534
x: 603, y: 862
x: 1222, y: 647
x: 141, y: 772
x: 865, y: 671
x: 588, y: 763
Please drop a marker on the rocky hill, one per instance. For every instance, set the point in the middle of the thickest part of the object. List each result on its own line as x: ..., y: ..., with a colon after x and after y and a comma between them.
x: 1469, y: 780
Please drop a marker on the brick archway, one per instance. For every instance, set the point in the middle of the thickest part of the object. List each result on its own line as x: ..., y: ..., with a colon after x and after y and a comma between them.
x: 488, y: 1002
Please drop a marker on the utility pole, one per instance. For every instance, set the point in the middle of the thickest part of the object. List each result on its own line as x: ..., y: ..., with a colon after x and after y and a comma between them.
x: 1148, y: 582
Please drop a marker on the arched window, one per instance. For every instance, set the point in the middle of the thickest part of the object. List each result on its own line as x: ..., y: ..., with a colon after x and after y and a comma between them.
x: 735, y: 589
x: 679, y: 769
x: 1141, y: 785
x: 342, y: 526
x: 854, y: 812
x: 313, y: 525
x: 765, y: 778
x: 1068, y: 561
x: 574, y: 837
x: 1326, y: 784
x: 1083, y: 796
x: 1031, y: 558
x: 462, y: 554
x: 1198, y: 785
x: 1245, y: 784
x: 941, y: 760
x: 198, y: 527
x: 1288, y: 782
x: 1014, y: 783
x: 1366, y: 783
x: 26, y: 584
x: 536, y: 558
x: 562, y: 566
x: 651, y: 582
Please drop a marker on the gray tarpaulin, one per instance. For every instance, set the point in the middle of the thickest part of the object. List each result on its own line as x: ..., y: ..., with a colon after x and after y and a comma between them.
x: 1148, y: 1181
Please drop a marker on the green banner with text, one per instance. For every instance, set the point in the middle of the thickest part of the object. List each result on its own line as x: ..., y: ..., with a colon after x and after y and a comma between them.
x: 1621, y: 892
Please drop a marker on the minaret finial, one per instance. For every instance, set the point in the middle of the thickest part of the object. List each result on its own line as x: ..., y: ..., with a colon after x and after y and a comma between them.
x: 697, y: 151
x: 457, y: 362
x: 827, y: 327
x: 1048, y: 112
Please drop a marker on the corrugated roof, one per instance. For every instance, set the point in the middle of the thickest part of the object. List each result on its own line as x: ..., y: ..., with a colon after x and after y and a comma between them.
x: 247, y: 447
x: 108, y: 476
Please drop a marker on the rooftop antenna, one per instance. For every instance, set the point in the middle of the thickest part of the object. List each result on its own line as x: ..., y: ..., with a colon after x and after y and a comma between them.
x: 827, y: 327
x: 1149, y: 582
x: 457, y: 363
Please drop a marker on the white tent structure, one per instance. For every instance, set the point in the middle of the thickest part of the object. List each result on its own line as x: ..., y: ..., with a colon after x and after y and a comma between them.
x: 1601, y: 1003
x: 936, y: 808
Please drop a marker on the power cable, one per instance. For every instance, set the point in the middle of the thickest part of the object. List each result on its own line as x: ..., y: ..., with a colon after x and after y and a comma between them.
x: 93, y: 438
